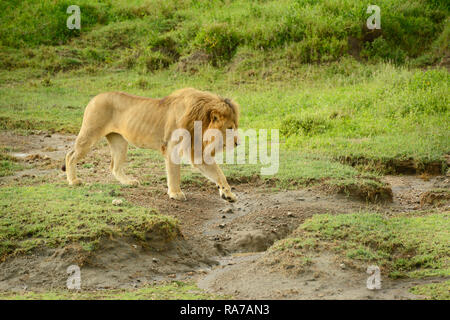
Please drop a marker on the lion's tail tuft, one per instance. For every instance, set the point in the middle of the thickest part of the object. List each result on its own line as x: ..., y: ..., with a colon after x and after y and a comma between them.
x: 63, y: 168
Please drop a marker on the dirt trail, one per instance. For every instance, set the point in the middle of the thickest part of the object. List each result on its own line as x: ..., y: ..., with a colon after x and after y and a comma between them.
x: 224, y: 245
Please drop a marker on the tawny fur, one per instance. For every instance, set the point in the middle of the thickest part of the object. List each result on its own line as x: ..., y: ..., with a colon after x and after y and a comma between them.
x: 148, y: 123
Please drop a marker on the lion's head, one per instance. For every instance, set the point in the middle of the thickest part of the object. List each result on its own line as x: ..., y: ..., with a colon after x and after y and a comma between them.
x: 214, y: 112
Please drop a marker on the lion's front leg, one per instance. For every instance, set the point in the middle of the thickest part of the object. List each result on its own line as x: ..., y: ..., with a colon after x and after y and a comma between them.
x: 174, y: 180
x: 214, y: 173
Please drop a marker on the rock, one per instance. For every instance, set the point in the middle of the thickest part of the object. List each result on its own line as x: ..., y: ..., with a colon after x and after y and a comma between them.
x: 290, y: 214
x: 342, y: 265
x: 155, y: 260
x: 229, y: 210
x: 222, y: 225
x: 117, y: 202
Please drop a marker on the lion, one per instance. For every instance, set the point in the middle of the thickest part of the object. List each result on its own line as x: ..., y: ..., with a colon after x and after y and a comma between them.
x: 149, y: 123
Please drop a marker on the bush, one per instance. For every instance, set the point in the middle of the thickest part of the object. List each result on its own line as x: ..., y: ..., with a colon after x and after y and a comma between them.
x: 380, y: 50
x: 316, y: 50
x: 219, y: 40
x: 307, y: 125
x: 150, y: 61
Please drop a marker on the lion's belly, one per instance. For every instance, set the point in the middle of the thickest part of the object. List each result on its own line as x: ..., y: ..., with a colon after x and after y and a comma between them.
x: 141, y: 127
x: 143, y: 140
x: 143, y: 136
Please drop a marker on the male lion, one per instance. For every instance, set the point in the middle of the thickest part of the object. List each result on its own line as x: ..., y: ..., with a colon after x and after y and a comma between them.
x: 148, y: 123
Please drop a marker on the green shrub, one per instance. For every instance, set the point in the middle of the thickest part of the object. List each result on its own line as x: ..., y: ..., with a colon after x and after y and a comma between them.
x: 150, y: 61
x: 316, y: 50
x: 307, y: 125
x: 381, y: 50
x: 219, y: 40
x: 440, y: 45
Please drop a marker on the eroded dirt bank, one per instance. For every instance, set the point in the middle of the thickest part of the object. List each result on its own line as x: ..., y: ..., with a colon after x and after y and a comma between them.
x: 223, y: 246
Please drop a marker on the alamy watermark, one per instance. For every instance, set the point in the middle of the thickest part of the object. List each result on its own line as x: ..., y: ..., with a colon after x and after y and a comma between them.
x: 207, y: 147
x: 374, y: 281
x: 374, y: 21
x: 74, y: 20
x: 74, y: 279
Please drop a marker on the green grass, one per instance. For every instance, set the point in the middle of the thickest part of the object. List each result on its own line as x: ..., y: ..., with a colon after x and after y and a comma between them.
x: 433, y: 291
x: 295, y: 170
x: 8, y: 164
x: 55, y: 215
x: 402, y: 246
x: 341, y: 111
x: 176, y: 290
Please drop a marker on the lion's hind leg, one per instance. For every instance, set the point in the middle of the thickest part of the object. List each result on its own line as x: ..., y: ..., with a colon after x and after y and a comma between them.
x: 83, y: 145
x: 119, y: 146
x: 173, y: 180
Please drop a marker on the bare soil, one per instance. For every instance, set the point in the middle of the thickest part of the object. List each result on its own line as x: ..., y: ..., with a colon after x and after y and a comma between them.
x: 223, y: 246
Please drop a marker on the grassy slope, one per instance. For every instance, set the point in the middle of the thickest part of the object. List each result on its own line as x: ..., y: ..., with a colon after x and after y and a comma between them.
x: 402, y: 246
x: 156, y: 32
x: 57, y: 215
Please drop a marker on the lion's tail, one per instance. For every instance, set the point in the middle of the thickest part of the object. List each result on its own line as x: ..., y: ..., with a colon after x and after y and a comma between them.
x: 63, y: 168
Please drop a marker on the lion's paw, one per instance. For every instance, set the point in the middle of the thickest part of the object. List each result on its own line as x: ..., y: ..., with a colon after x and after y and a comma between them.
x: 228, y: 195
x: 131, y: 182
x: 75, y: 182
x: 179, y: 195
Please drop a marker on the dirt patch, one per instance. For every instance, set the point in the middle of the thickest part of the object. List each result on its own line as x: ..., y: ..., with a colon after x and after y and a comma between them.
x: 371, y: 192
x: 116, y: 263
x: 435, y: 198
x: 250, y: 277
x: 415, y: 192
x: 396, y: 166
